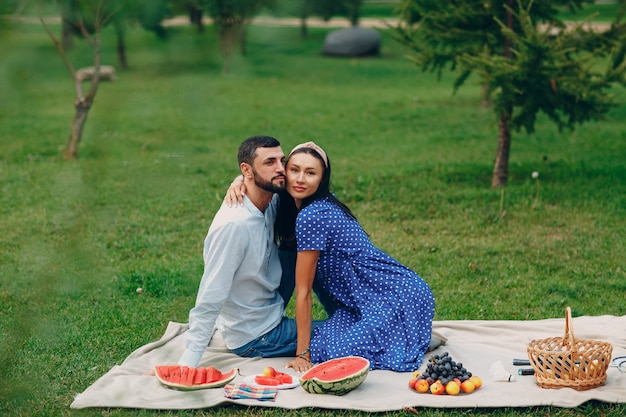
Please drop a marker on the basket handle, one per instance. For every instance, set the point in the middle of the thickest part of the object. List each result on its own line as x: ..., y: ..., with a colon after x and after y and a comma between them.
x: 568, y: 338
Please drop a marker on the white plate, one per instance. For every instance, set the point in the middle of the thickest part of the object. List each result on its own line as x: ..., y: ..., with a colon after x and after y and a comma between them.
x: 250, y: 381
x: 215, y: 384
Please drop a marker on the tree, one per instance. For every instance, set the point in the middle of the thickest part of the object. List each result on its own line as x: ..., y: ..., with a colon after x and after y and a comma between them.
x: 353, y: 10
x: 193, y: 9
x: 329, y: 8
x: 528, y: 68
x: 67, y: 27
x: 149, y: 14
x: 230, y: 18
x: 302, y: 9
x: 325, y: 9
x: 98, y: 14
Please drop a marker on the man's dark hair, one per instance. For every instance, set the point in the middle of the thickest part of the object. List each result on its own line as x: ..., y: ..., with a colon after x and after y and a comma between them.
x: 247, y: 149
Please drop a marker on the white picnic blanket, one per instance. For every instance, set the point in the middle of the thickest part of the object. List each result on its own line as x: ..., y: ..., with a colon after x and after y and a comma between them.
x: 477, y: 344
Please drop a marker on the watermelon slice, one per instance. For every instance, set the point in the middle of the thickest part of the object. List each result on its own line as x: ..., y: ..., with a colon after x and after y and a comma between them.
x: 213, y: 374
x: 284, y: 378
x: 183, y: 374
x: 200, y: 376
x: 191, y: 376
x: 170, y: 372
x: 267, y: 380
x: 183, y: 378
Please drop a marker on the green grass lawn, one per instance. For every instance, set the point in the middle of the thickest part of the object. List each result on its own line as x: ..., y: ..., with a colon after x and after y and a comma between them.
x: 412, y: 160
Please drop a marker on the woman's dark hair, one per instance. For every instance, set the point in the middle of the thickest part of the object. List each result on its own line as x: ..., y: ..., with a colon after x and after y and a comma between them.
x: 285, y: 226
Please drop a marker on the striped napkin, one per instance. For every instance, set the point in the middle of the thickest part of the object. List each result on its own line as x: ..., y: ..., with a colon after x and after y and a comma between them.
x: 240, y: 390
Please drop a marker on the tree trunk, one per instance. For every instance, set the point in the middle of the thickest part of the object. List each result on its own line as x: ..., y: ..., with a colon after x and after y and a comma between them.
x: 67, y: 33
x: 304, y: 31
x: 242, y: 33
x: 76, y: 133
x: 354, y: 12
x: 121, y: 45
x: 501, y: 166
x: 195, y: 17
x: 227, y: 41
x: 354, y: 18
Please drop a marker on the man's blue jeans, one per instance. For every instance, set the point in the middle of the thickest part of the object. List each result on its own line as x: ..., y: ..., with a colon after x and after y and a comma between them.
x: 283, y: 339
x: 278, y: 342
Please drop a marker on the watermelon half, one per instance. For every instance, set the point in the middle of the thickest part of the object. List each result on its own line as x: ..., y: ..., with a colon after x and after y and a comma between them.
x: 336, y: 376
x: 184, y: 378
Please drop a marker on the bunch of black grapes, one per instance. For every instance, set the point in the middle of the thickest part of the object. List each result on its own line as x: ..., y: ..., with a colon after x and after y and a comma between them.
x: 443, y: 368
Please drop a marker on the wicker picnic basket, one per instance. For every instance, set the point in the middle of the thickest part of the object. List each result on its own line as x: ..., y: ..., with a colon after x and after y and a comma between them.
x: 565, y: 362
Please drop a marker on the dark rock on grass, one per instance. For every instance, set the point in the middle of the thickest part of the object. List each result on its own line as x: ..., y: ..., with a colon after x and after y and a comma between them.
x: 352, y: 42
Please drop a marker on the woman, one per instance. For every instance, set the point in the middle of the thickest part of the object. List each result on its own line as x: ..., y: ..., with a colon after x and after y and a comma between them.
x: 384, y: 309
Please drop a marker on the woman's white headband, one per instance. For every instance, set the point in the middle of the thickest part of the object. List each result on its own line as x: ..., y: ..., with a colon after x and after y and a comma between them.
x: 316, y: 148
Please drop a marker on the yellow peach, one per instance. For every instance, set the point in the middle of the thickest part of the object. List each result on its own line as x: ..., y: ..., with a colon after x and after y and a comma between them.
x: 468, y: 386
x: 453, y: 388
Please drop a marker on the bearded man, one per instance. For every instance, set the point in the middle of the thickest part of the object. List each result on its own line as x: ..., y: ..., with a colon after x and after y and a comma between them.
x: 238, y: 293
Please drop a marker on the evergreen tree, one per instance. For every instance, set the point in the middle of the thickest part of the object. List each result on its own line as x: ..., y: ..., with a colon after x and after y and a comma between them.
x: 528, y: 60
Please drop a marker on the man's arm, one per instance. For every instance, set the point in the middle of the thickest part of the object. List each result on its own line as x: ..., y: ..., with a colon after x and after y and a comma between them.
x: 223, y: 250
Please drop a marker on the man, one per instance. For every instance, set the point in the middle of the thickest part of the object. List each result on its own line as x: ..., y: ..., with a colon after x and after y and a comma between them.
x: 242, y: 272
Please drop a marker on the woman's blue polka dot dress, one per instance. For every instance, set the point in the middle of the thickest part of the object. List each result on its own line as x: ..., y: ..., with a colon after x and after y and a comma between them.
x: 385, y: 309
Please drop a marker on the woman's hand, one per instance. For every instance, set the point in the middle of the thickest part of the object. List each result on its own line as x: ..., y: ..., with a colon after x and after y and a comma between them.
x: 300, y: 364
x: 235, y: 192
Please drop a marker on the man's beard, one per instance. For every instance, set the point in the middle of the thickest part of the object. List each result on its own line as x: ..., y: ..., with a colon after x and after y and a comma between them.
x: 269, y: 185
